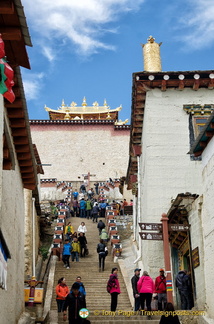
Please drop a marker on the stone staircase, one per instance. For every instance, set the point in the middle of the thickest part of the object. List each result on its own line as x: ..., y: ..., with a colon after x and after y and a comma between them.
x: 97, y: 299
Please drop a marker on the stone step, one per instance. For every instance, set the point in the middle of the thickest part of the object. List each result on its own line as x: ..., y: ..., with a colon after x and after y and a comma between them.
x: 97, y: 298
x: 108, y: 319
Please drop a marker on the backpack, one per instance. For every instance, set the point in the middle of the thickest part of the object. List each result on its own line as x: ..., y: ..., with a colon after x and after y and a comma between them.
x: 109, y: 285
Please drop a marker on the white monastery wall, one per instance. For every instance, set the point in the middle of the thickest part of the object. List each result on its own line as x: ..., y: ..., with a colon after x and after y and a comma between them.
x: 52, y: 193
x: 208, y: 223
x: 28, y: 243
x: 166, y: 167
x: 73, y: 150
x: 197, y: 240
x: 12, y: 225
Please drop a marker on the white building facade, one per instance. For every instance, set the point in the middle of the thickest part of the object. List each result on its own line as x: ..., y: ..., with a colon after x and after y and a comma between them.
x: 168, y: 111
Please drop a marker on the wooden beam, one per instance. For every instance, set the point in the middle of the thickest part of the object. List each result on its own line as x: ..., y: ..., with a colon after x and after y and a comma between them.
x: 163, y: 85
x: 136, y: 150
x: 211, y: 84
x: 196, y: 85
x: 25, y: 163
x: 24, y: 156
x: 138, y: 110
x: 27, y: 175
x: 16, y: 104
x: 137, y: 130
x: 21, y: 140
x: 203, y: 144
x: 11, y: 33
x: 26, y: 169
x: 16, y: 113
x: 6, y: 7
x: 209, y: 134
x: 137, y: 123
x: 7, y: 165
x: 6, y: 153
x: 181, y: 85
x: 29, y: 180
x: 22, y: 148
x: 30, y: 186
x: 19, y: 132
x: 16, y: 91
x: 196, y: 154
x: 17, y: 123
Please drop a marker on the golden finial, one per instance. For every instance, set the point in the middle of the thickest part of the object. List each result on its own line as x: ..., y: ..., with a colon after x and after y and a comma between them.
x: 151, y: 39
x: 84, y: 103
x: 63, y: 103
x: 151, y: 53
x: 105, y: 103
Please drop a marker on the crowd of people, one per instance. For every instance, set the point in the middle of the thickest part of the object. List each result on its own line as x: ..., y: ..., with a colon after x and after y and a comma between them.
x: 145, y: 289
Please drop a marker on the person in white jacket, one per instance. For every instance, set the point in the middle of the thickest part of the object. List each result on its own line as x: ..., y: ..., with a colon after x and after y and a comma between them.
x: 82, y: 228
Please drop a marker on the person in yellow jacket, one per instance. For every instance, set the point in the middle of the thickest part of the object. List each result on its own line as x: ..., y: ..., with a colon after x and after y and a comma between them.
x: 76, y: 249
x: 69, y: 230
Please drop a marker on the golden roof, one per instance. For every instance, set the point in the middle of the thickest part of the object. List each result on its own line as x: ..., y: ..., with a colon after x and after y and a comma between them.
x: 73, y: 110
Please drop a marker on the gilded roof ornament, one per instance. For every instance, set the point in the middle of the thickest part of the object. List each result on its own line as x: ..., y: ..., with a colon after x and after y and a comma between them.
x: 73, y: 104
x: 108, y: 116
x: 105, y: 104
x: 74, y: 111
x: 120, y: 122
x: 151, y: 53
x: 95, y: 104
x: 84, y: 103
x: 151, y: 39
x: 67, y: 116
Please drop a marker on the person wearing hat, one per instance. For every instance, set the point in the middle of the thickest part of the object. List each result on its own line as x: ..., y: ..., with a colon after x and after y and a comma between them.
x: 134, y: 281
x: 160, y: 289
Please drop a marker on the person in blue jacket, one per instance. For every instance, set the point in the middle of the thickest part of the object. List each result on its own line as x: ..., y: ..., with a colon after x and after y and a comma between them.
x: 81, y: 286
x: 82, y: 207
x: 66, y: 253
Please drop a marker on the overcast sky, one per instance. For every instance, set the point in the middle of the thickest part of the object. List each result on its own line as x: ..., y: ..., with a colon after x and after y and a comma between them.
x: 91, y: 47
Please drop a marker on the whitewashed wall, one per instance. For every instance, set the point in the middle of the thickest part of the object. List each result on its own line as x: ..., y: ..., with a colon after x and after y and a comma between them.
x: 165, y: 165
x: 197, y: 240
x: 73, y: 150
x: 12, y: 225
x: 28, y: 242
x: 208, y: 223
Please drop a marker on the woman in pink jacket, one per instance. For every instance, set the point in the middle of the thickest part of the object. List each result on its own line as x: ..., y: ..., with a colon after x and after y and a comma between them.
x: 115, y: 288
x: 146, y: 288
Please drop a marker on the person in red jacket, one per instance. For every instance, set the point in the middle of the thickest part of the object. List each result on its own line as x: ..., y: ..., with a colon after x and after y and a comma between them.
x: 160, y: 289
x: 146, y: 288
x: 115, y: 288
x: 61, y: 292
